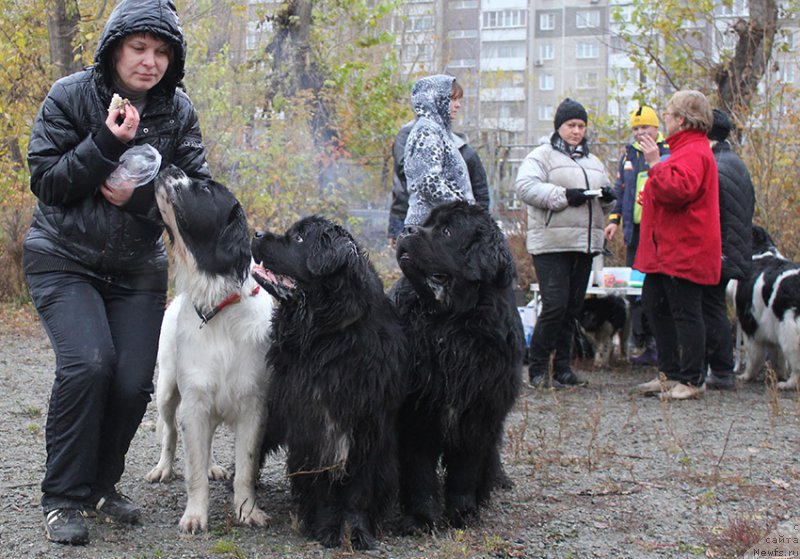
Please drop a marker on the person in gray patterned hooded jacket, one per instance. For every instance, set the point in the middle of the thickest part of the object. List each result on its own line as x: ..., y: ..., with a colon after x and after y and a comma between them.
x: 435, y: 171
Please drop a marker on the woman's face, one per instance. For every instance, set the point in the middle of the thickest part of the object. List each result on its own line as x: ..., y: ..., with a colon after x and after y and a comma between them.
x: 572, y: 131
x: 455, y: 106
x: 672, y: 122
x: 141, y: 61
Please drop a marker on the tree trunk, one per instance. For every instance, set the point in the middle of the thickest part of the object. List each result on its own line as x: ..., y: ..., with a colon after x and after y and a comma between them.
x: 738, y: 78
x: 62, y: 27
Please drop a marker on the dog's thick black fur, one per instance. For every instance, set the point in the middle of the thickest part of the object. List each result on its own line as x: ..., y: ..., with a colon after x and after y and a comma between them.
x: 601, y: 319
x: 456, y: 301
x: 340, y: 357
x: 768, y: 309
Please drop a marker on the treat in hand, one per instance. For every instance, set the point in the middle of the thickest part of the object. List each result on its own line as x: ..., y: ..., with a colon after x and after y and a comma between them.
x: 118, y: 102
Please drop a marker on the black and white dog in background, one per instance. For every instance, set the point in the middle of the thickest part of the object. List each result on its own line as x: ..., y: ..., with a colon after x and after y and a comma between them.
x: 768, y: 308
x: 212, y: 350
x: 601, y: 320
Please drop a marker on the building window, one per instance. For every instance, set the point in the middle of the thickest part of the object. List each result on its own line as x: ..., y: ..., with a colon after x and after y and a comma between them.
x: 587, y: 18
x: 416, y: 24
x: 505, y: 50
x: 417, y: 52
x: 464, y: 5
x: 546, y: 112
x: 546, y: 82
x: 463, y: 34
x: 505, y: 19
x: 587, y: 49
x: 586, y: 80
x: 547, y: 51
x: 738, y: 8
x: 547, y: 22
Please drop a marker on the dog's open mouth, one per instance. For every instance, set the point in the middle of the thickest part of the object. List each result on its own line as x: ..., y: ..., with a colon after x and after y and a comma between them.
x: 437, y: 283
x: 280, y: 286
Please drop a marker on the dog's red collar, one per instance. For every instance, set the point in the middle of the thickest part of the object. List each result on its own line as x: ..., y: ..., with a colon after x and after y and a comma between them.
x: 229, y: 300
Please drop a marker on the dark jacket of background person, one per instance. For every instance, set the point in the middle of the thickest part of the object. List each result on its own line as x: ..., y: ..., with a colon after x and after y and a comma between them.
x: 435, y: 171
x: 71, y: 153
x: 679, y: 233
x: 625, y: 185
x: 399, y: 207
x: 736, y: 207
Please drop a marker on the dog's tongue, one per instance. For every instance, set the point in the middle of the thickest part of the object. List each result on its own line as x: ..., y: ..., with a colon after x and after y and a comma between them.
x: 260, y: 272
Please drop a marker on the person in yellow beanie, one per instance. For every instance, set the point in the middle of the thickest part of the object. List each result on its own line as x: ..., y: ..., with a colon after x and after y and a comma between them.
x: 631, y: 179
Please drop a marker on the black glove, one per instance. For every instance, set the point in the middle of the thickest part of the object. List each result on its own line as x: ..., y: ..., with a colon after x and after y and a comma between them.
x: 576, y: 197
x: 607, y: 194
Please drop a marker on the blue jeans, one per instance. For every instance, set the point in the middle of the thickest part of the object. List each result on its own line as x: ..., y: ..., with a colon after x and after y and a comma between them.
x: 563, y: 278
x: 105, y: 339
x: 674, y: 309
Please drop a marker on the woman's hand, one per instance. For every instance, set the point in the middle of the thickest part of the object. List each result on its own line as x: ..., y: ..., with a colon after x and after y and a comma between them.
x: 116, y: 196
x: 125, y: 131
x: 649, y: 149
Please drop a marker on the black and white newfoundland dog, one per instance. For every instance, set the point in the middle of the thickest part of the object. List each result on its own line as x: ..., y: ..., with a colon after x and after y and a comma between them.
x: 768, y: 309
x: 339, y: 356
x: 211, y: 350
x: 467, y: 345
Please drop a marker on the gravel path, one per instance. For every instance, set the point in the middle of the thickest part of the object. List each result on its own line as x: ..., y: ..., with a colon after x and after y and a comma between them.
x: 596, y: 473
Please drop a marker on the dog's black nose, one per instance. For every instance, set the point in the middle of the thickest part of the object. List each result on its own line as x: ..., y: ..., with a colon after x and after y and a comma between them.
x: 410, y: 230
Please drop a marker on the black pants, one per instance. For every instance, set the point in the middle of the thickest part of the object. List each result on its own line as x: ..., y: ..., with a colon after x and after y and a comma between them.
x: 719, y: 334
x: 674, y: 308
x: 640, y: 328
x: 105, y: 338
x: 563, y: 278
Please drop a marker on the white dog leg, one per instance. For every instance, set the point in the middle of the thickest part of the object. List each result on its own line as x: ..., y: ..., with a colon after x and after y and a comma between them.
x: 248, y: 438
x: 168, y: 398
x: 754, y: 359
x: 197, y: 435
x: 789, y: 341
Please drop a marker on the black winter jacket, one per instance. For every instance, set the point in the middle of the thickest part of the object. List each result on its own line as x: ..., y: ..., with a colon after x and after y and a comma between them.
x: 736, y: 206
x: 399, y: 206
x: 72, y: 152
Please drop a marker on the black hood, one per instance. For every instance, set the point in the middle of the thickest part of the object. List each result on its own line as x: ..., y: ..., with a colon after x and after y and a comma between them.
x: 130, y: 17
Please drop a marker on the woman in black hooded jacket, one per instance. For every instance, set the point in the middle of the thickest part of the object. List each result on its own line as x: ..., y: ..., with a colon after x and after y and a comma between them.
x: 94, y: 257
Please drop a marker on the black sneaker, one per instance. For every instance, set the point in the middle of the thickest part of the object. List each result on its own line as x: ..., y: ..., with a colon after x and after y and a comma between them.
x: 715, y: 382
x: 66, y: 526
x: 545, y: 382
x: 116, y: 507
x: 568, y: 378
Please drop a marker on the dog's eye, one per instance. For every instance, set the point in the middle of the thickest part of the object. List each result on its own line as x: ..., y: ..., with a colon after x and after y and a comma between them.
x: 446, y: 231
x: 298, y: 239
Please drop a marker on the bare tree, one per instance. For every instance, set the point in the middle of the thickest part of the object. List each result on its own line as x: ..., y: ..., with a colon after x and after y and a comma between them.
x: 738, y: 78
x: 62, y: 28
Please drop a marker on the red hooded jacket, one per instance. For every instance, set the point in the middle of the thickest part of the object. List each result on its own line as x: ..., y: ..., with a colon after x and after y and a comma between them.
x: 680, y: 230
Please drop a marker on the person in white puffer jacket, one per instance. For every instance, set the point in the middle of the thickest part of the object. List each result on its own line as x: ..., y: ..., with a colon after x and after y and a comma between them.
x: 568, y: 193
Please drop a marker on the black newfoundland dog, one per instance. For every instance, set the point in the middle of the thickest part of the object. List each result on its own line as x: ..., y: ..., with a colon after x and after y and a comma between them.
x: 467, y: 348
x: 339, y: 355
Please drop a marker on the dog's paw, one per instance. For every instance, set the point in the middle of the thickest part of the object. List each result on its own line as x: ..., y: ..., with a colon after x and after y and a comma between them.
x: 193, y: 523
x: 790, y: 384
x: 412, y: 524
x: 253, y: 516
x: 160, y: 474
x: 217, y: 472
x: 361, y: 539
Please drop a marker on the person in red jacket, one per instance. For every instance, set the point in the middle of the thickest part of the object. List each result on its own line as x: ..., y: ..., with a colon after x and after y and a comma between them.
x: 680, y: 247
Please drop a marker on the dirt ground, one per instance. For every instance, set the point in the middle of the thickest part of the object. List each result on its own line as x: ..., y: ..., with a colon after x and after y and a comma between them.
x: 596, y: 472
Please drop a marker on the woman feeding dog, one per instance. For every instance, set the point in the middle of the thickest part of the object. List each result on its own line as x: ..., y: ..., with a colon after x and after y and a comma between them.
x: 94, y: 259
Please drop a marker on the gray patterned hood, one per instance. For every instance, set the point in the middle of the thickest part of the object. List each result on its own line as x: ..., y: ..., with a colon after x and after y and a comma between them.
x: 430, y: 98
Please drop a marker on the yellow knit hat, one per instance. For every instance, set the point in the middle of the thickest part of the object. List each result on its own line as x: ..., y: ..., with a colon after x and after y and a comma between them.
x: 644, y: 116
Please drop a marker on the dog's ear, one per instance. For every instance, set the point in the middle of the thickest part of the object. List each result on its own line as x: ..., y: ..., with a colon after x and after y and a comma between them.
x: 489, y: 259
x: 233, y: 246
x: 331, y: 251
